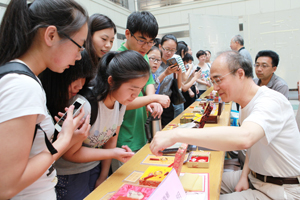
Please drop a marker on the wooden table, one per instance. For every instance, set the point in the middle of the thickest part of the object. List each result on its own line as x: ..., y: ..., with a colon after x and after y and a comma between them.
x: 215, y: 170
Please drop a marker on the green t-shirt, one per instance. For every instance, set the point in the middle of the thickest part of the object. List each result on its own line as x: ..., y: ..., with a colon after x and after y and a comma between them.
x: 132, y: 132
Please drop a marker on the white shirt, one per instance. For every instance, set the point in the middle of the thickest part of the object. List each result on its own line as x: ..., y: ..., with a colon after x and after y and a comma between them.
x: 105, y: 125
x: 277, y: 154
x: 21, y: 95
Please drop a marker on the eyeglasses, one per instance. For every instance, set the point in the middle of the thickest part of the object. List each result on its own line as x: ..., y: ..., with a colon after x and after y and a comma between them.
x: 169, y: 50
x: 264, y: 65
x: 142, y: 42
x: 81, y: 48
x: 218, y: 80
x: 155, y: 60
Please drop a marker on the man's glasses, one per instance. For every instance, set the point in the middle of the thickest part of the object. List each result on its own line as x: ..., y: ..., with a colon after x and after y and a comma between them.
x: 142, y: 42
x: 81, y: 48
x: 264, y: 65
x: 169, y: 50
x: 155, y: 60
x: 218, y: 80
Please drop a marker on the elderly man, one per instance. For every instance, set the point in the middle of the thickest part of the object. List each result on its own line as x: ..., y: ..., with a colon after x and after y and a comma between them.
x: 268, y: 130
x: 266, y: 63
x: 237, y: 44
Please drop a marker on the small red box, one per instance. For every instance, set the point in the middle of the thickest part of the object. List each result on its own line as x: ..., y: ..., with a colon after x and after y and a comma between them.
x: 199, y: 159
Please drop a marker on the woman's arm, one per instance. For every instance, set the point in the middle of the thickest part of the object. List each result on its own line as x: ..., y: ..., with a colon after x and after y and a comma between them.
x: 179, y: 78
x: 191, y: 81
x: 138, y: 102
x: 105, y: 164
x: 18, y: 171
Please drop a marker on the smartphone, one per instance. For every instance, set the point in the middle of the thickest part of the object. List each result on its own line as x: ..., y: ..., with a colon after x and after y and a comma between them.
x: 198, y: 68
x: 78, y: 103
x: 172, y: 61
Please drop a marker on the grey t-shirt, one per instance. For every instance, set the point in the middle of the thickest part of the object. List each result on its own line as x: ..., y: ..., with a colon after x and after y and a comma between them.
x: 276, y: 83
x: 102, y: 130
x: 165, y: 85
x: 64, y: 167
x: 246, y: 54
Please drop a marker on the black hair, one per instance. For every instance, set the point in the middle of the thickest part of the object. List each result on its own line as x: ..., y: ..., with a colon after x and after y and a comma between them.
x: 235, y: 61
x: 200, y: 53
x: 181, y: 46
x: 187, y: 57
x: 56, y: 85
x: 182, y: 42
x: 169, y: 37
x: 268, y: 53
x: 21, y: 22
x: 157, y: 42
x: 121, y: 69
x: 96, y: 23
x: 143, y: 22
x: 155, y: 48
x: 208, y: 51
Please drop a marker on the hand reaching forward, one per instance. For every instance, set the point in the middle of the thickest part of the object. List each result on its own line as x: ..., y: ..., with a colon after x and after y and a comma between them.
x: 162, y: 140
x: 123, y: 154
x: 155, y: 109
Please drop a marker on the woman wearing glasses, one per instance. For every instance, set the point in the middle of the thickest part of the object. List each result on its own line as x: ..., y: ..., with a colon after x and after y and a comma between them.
x: 39, y: 35
x: 154, y: 55
x: 165, y: 73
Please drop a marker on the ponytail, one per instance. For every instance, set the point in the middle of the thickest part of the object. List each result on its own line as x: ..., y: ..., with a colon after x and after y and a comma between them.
x: 122, y: 67
x: 102, y: 86
x: 14, y: 29
x: 21, y: 22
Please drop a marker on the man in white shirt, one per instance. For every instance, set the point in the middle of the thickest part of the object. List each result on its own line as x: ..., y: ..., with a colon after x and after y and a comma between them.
x: 268, y: 131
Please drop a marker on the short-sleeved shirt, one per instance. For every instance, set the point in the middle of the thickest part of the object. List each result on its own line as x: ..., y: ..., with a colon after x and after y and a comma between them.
x: 277, y: 154
x: 276, y: 83
x: 180, y: 62
x: 246, y: 54
x: 101, y: 131
x: 132, y: 132
x: 21, y: 95
x: 205, y: 73
x: 165, y: 85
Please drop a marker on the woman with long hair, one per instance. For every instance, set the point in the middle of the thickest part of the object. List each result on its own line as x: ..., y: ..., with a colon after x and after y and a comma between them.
x: 101, y: 36
x: 42, y: 34
x: 118, y: 82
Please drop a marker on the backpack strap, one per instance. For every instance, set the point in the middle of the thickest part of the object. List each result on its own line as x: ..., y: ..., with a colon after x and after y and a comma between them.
x: 89, y: 95
x: 20, y: 68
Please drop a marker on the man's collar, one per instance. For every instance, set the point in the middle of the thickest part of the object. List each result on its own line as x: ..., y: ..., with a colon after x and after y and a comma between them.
x: 241, y: 49
x: 270, y: 83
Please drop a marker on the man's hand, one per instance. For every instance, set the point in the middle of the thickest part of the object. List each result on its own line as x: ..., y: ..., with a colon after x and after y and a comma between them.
x: 242, y: 184
x: 162, y: 99
x: 162, y: 140
x: 155, y: 109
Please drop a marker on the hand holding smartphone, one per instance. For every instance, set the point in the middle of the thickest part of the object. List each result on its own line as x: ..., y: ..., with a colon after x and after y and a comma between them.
x: 172, y: 61
x: 78, y: 103
x: 198, y: 68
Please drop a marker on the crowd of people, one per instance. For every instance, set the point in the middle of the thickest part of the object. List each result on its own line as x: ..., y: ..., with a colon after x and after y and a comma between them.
x: 67, y: 55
